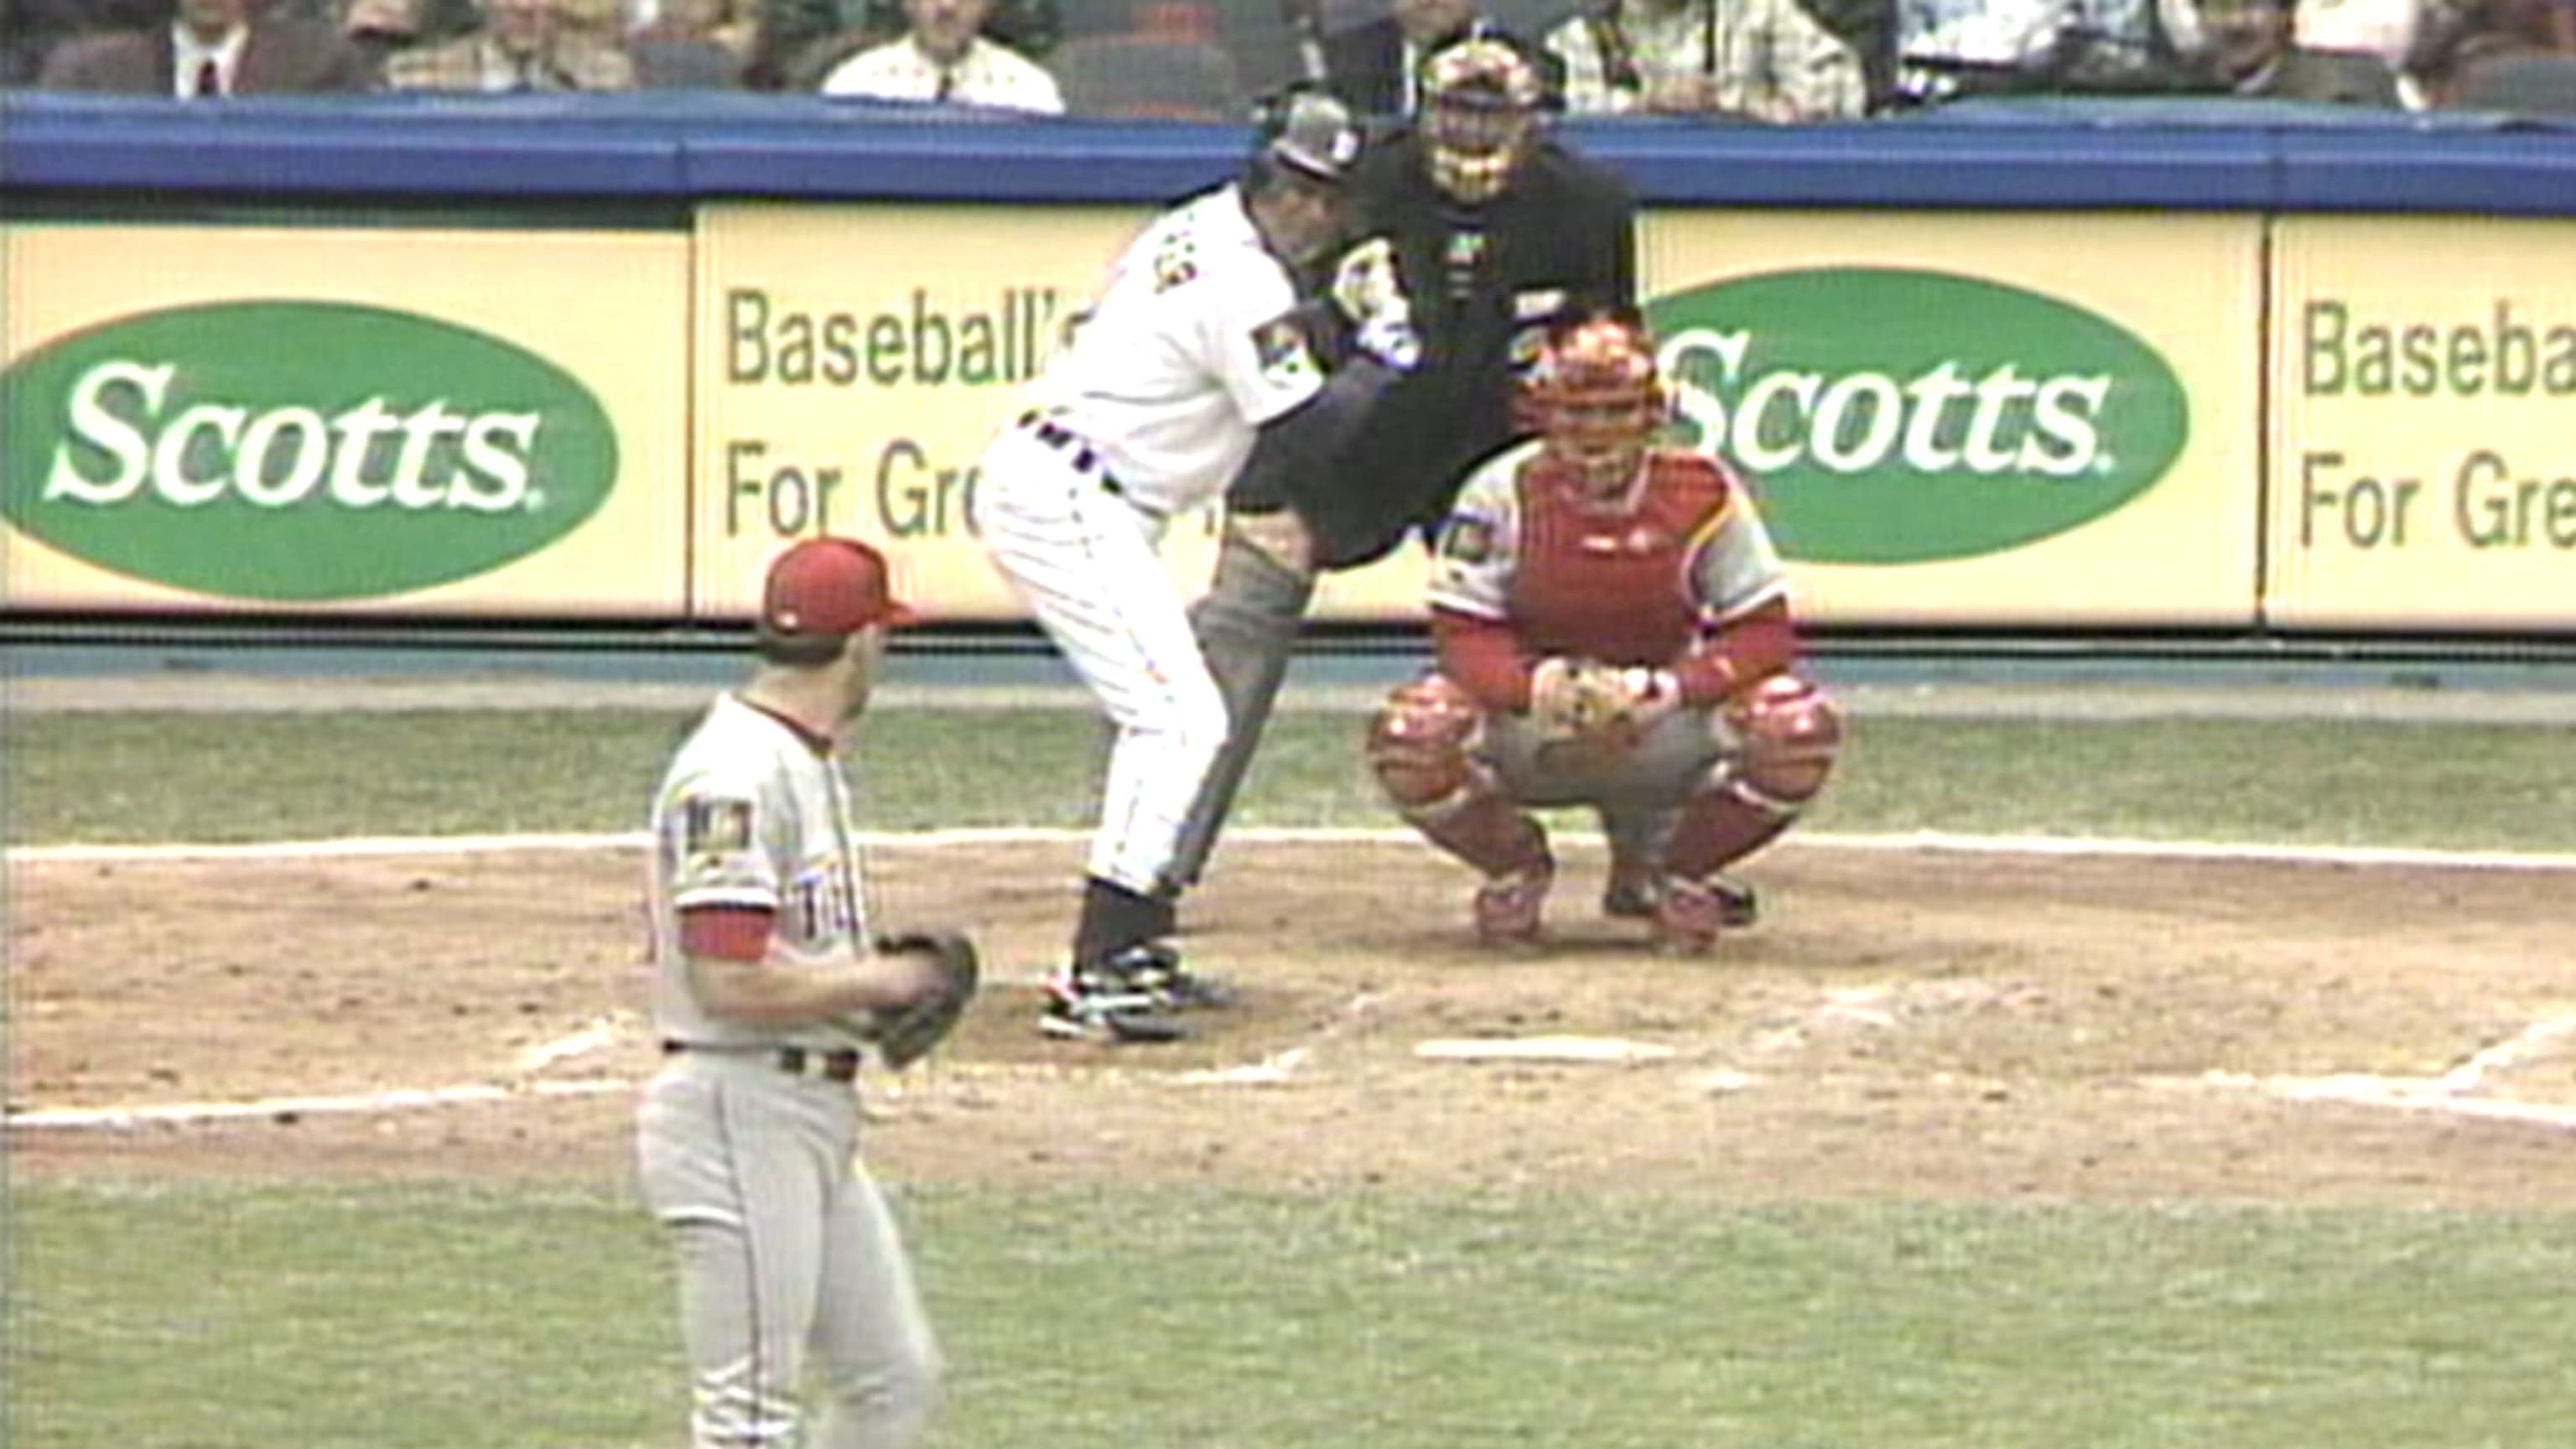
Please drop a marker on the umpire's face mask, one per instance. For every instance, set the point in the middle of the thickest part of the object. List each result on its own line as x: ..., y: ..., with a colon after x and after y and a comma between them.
x: 1475, y: 141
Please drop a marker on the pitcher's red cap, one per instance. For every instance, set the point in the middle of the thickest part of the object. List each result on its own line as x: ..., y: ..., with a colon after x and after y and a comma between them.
x: 830, y: 586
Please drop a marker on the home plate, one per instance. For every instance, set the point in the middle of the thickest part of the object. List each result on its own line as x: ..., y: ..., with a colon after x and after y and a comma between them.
x: 1540, y: 1049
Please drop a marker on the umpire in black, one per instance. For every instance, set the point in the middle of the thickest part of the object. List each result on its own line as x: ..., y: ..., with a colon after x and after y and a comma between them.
x: 1496, y: 230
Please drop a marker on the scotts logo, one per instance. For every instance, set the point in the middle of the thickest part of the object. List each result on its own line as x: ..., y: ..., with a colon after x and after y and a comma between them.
x: 1900, y: 417
x: 298, y: 450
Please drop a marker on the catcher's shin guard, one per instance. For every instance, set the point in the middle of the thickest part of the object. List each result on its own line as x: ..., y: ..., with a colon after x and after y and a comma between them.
x: 1421, y: 749
x: 1789, y: 732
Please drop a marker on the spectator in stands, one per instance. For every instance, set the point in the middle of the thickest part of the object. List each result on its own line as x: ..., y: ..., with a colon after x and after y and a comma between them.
x: 692, y: 44
x: 1167, y: 64
x: 31, y: 30
x: 1376, y: 68
x: 798, y: 42
x: 2387, y: 29
x: 2253, y: 50
x: 1760, y: 60
x: 524, y: 45
x: 944, y: 56
x: 2466, y: 42
x: 210, y: 48
x: 1948, y: 48
x: 378, y: 28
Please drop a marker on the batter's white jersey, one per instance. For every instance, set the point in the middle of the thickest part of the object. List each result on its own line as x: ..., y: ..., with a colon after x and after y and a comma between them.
x: 1188, y: 351
x: 752, y: 813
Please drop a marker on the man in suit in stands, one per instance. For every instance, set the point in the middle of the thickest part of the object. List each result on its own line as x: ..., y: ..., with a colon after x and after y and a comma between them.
x: 523, y: 45
x: 211, y: 48
x: 1376, y: 68
x: 2254, y: 51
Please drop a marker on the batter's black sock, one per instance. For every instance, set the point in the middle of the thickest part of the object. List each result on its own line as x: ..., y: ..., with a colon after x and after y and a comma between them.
x: 1114, y: 918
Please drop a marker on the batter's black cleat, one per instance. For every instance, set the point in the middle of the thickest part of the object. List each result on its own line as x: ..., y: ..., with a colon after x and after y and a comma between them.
x: 1632, y: 895
x: 1092, y: 1004
x: 1156, y: 967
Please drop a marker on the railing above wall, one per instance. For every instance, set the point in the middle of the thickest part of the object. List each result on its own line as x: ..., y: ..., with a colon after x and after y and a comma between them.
x: 2181, y: 154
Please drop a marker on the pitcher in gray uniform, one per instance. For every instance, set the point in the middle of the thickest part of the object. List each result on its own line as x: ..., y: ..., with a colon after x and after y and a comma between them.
x: 747, y: 1140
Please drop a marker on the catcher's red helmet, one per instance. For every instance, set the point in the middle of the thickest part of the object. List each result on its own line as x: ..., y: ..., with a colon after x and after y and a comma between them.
x: 1597, y: 399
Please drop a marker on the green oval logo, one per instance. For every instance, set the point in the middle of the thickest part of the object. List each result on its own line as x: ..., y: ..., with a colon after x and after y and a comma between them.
x: 299, y: 451
x: 1895, y: 417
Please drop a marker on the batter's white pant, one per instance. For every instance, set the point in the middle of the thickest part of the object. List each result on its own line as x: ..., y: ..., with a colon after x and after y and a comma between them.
x: 1087, y: 565
x: 785, y: 1246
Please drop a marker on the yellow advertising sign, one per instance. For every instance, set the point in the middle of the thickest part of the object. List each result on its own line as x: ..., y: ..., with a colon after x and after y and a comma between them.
x: 853, y: 362
x: 345, y: 420
x: 2424, y: 451
x: 2018, y: 419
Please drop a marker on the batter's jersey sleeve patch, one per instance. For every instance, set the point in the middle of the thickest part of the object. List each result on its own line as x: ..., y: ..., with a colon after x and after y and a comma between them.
x: 1280, y: 352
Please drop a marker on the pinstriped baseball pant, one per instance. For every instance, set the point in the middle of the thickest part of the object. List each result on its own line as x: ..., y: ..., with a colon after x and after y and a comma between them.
x: 1086, y: 564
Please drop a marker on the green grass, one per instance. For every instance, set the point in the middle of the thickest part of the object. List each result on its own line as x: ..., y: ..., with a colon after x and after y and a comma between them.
x: 127, y: 778
x: 212, y: 1316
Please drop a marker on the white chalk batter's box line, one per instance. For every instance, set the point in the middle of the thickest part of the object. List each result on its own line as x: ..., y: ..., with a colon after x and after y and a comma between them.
x: 2447, y: 1094
x: 1934, y: 842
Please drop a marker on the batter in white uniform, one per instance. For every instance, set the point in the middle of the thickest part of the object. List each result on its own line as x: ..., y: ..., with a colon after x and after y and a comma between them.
x: 1195, y: 355
x: 747, y: 1140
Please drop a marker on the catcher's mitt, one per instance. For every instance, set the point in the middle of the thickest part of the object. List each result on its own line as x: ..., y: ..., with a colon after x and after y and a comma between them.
x: 906, y: 1034
x: 1601, y: 708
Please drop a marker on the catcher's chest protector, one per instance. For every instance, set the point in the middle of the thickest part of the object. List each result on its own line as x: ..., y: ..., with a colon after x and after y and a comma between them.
x: 1612, y: 587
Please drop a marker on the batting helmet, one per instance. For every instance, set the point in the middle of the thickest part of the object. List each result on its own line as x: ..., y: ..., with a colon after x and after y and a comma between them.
x: 1305, y: 131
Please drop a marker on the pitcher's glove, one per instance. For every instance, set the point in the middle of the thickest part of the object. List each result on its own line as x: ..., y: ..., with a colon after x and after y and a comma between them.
x: 906, y: 1034
x: 1597, y: 710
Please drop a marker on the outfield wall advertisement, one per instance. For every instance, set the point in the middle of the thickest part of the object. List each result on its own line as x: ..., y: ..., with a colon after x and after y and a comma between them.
x: 852, y: 363
x: 2029, y: 420
x: 253, y: 419
x: 2424, y: 446
x: 1954, y: 420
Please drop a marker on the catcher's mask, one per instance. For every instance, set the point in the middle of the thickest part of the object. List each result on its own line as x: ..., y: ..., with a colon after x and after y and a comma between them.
x: 1481, y: 100
x: 1597, y: 400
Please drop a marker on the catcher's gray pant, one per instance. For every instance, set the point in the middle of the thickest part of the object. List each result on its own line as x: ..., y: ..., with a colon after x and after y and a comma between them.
x: 1247, y: 625
x: 784, y: 1245
x: 1638, y: 791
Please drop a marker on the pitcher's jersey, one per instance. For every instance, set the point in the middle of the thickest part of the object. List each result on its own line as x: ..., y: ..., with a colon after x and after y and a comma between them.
x: 752, y: 814
x: 1189, y: 349
x: 1632, y: 587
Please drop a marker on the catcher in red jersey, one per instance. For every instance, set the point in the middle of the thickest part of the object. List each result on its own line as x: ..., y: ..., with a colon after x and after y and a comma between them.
x: 1613, y: 630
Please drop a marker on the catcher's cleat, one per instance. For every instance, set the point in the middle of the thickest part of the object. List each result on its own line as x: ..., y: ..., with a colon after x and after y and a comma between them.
x: 1633, y: 891
x: 1508, y: 908
x: 1093, y: 1005
x: 1689, y: 914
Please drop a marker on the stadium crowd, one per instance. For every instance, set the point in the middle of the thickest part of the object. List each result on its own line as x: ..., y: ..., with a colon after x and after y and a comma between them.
x: 1736, y: 61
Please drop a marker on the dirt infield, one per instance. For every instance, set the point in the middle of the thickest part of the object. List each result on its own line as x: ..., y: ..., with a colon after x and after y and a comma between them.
x: 1903, y: 1023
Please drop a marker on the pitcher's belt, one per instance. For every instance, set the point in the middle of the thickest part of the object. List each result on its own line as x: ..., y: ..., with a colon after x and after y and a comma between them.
x: 832, y: 1066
